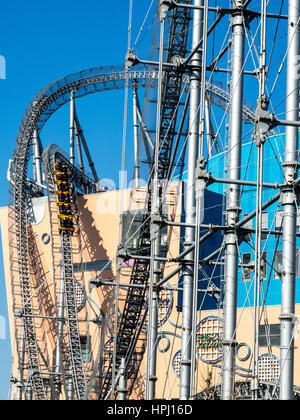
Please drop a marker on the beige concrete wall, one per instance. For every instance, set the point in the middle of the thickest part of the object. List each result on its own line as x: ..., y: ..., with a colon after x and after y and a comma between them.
x: 97, y: 238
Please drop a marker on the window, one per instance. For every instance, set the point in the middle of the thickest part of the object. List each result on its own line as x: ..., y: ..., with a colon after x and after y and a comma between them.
x: 131, y: 232
x: 265, y: 224
x: 249, y: 224
x: 85, y: 342
x: 269, y: 335
x: 131, y: 224
x: 279, y: 221
x: 278, y: 264
x: 264, y: 265
x: 298, y: 222
x: 247, y: 267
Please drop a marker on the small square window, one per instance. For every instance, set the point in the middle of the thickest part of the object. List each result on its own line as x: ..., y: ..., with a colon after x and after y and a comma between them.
x: 247, y: 267
x: 85, y: 342
x: 264, y: 265
x: 278, y: 265
x: 265, y: 224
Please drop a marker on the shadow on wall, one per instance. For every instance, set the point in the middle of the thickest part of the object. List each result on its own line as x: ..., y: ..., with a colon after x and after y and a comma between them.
x: 46, y: 303
x: 93, y: 244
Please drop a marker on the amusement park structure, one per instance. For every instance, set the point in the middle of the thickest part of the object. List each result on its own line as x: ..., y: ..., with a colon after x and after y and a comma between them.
x: 160, y: 297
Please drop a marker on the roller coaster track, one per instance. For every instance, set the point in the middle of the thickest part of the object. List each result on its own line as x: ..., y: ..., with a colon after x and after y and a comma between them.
x: 128, y: 332
x: 45, y: 103
x: 76, y: 178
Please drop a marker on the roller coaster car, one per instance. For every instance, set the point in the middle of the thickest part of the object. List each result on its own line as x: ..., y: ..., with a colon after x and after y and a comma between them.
x: 63, y: 198
x: 61, y: 176
x: 64, y: 187
x: 60, y: 167
x: 65, y: 210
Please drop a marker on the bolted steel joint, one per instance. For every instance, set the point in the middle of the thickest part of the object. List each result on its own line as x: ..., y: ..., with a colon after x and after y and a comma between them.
x: 230, y: 238
x: 290, y: 171
x: 165, y: 6
x: 130, y: 60
x: 288, y: 197
x: 264, y: 122
x: 287, y: 317
x: 232, y: 216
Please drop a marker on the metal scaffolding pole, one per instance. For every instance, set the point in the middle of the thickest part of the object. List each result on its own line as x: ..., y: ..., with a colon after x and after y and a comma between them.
x: 85, y: 146
x: 289, y: 203
x: 21, y: 358
x: 37, y: 159
x: 72, y: 128
x: 233, y: 202
x: 122, y: 389
x: 79, y: 149
x: 190, y: 205
x: 260, y: 141
x: 155, y: 238
x: 60, y: 330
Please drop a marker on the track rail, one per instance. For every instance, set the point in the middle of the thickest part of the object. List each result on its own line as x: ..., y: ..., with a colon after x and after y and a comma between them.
x: 72, y: 178
x: 135, y: 301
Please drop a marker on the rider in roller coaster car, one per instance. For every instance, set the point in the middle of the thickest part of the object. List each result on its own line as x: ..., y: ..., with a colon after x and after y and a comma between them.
x: 66, y: 210
x: 67, y: 224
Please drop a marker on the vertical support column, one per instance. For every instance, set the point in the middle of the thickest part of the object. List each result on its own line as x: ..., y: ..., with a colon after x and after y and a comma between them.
x: 72, y: 128
x: 155, y: 236
x: 155, y: 274
x: 233, y: 202
x: 79, y: 150
x: 190, y: 205
x: 136, y: 138
x: 21, y: 357
x: 289, y: 203
x: 60, y: 326
x: 86, y: 149
x: 70, y: 385
x: 29, y: 391
x: 122, y: 389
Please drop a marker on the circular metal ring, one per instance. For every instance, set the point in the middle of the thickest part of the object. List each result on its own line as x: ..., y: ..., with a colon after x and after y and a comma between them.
x: 166, y: 348
x: 242, y: 359
x: 45, y: 238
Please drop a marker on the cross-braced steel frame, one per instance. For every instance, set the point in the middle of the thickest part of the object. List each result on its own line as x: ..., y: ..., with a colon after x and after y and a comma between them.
x: 174, y: 70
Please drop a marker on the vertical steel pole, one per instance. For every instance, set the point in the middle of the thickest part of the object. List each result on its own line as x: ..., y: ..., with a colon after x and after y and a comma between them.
x: 60, y: 327
x: 29, y: 391
x: 260, y: 141
x: 72, y: 128
x: 136, y: 138
x: 79, y: 149
x: 122, y: 389
x: 37, y: 157
x: 21, y: 357
x: 209, y: 130
x: 86, y: 149
x: 70, y: 385
x: 190, y: 205
x: 289, y: 203
x: 155, y: 239
x: 233, y: 201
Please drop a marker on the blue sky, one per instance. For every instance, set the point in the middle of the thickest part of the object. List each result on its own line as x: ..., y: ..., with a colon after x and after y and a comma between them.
x: 41, y: 42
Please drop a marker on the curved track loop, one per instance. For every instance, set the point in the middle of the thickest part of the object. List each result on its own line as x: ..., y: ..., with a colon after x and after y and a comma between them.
x: 45, y: 103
